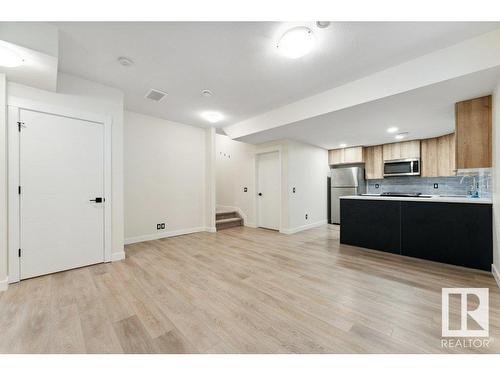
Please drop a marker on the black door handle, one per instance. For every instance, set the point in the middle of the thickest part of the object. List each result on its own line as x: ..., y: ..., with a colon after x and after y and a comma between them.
x: 260, y: 194
x: 97, y: 200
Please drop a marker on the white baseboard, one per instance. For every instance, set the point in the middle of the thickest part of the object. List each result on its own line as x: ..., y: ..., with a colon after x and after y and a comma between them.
x: 120, y: 255
x: 250, y: 225
x: 496, y: 274
x: 210, y: 229
x: 303, y: 227
x: 4, y: 284
x: 165, y: 234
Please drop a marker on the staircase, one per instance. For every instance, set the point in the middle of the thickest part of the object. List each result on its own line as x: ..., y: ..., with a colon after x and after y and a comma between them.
x: 227, y: 219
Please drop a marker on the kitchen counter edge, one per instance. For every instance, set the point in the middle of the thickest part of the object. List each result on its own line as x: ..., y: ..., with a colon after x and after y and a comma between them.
x: 436, y: 199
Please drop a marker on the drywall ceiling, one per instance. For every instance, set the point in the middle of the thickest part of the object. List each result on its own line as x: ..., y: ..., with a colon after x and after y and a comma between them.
x: 423, y: 113
x: 37, y: 70
x: 238, y: 61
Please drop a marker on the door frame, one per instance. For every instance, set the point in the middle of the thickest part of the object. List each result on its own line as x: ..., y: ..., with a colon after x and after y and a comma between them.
x: 268, y: 150
x: 15, y: 105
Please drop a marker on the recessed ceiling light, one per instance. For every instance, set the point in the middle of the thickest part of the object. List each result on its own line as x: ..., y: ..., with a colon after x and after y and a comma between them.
x: 296, y: 42
x: 9, y: 58
x: 392, y: 129
x: 125, y: 61
x: 206, y: 93
x: 401, y: 135
x: 342, y: 145
x: 212, y: 116
x: 322, y: 24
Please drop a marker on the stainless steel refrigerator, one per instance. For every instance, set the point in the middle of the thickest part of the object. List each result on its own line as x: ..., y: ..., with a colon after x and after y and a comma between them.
x: 345, y: 181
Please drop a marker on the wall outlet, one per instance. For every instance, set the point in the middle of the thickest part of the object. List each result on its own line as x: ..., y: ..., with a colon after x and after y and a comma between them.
x: 162, y: 225
x: 293, y: 190
x: 158, y: 226
x: 307, y: 216
x: 245, y: 189
x: 377, y: 186
x: 436, y: 186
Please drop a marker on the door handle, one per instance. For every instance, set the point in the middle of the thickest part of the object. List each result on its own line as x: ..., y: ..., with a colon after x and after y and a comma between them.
x: 260, y: 194
x: 97, y: 200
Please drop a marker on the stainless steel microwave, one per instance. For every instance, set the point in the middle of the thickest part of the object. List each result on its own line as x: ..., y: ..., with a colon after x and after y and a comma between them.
x: 402, y: 167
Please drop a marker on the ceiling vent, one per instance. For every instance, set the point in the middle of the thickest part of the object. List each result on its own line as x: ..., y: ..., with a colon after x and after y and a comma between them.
x: 156, y: 95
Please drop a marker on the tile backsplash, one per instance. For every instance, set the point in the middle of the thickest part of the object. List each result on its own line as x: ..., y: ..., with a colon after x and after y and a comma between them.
x: 455, y: 185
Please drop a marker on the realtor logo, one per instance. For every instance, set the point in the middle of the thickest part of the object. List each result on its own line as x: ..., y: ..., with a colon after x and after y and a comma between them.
x: 473, y: 320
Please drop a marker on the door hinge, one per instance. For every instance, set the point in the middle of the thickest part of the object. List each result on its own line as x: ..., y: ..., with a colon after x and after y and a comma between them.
x: 19, y: 190
x: 19, y: 253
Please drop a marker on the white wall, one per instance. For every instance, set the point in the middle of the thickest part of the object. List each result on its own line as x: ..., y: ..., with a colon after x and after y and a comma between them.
x: 496, y: 183
x: 304, y: 167
x: 235, y: 170
x: 307, y: 171
x: 76, y: 93
x: 165, y: 177
x: 3, y: 186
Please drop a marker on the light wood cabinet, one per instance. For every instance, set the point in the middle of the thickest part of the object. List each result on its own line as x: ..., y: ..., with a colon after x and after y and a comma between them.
x: 473, y: 133
x: 438, y: 156
x: 401, y: 150
x: 374, y: 162
x: 345, y: 155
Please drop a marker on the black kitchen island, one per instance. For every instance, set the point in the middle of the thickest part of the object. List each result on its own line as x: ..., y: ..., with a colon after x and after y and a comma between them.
x: 456, y: 231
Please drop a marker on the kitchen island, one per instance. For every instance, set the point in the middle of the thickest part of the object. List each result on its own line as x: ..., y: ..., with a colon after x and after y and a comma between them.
x: 453, y: 230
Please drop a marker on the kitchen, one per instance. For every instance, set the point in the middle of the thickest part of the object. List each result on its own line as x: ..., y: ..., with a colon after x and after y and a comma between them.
x: 425, y: 198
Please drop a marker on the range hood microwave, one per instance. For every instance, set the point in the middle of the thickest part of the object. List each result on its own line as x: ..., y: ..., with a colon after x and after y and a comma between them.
x: 402, y: 167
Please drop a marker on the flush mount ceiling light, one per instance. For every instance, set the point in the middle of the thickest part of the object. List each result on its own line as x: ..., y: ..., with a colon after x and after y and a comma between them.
x: 342, y: 145
x: 125, y: 61
x: 9, y: 58
x: 207, y: 93
x: 392, y: 129
x: 212, y: 116
x: 401, y: 135
x: 296, y: 42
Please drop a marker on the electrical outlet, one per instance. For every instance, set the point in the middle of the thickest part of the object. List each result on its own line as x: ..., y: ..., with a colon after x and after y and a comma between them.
x: 158, y: 226
x: 293, y: 190
x: 436, y: 186
x: 307, y: 216
x: 245, y: 189
x: 377, y: 186
x: 162, y: 225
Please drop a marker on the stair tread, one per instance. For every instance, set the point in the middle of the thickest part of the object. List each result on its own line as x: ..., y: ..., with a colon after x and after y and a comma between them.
x: 230, y: 220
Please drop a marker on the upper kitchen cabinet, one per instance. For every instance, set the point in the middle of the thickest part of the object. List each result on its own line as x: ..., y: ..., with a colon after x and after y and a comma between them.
x: 473, y: 133
x: 401, y: 150
x: 345, y: 155
x: 438, y: 156
x: 374, y: 162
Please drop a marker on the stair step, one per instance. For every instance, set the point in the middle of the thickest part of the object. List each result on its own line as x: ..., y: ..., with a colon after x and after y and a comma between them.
x: 226, y: 215
x: 228, y: 223
x: 228, y: 220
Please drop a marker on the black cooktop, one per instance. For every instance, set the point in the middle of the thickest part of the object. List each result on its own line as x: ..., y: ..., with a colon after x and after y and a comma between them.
x: 396, y: 194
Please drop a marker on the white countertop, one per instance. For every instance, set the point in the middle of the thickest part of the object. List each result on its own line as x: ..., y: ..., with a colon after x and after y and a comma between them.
x: 428, y: 198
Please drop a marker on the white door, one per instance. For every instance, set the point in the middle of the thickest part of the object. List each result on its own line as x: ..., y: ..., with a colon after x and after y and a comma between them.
x: 268, y: 190
x: 61, y: 171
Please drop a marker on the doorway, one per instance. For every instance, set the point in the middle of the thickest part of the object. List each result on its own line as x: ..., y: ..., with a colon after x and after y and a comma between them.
x: 61, y: 193
x: 268, y: 190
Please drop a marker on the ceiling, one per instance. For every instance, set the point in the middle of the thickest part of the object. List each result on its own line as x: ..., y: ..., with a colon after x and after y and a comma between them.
x: 423, y: 113
x: 238, y: 62
x: 38, y: 69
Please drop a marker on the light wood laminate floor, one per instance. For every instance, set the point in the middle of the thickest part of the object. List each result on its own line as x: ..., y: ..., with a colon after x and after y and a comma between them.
x: 241, y: 290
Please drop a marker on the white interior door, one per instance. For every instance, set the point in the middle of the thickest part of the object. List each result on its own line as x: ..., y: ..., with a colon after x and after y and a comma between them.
x: 268, y: 190
x: 61, y: 171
